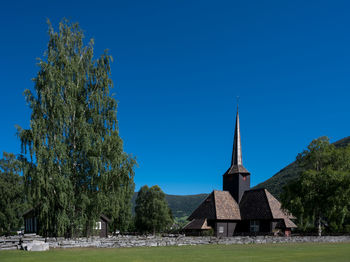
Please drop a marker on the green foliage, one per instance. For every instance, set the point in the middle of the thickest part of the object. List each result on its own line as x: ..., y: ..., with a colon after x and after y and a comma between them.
x: 180, y: 222
x: 181, y: 206
x: 322, y: 191
x: 12, y: 197
x: 208, y: 233
x: 77, y: 168
x: 152, y: 213
x: 291, y: 172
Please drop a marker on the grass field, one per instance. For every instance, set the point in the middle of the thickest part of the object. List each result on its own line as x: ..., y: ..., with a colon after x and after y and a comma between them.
x: 266, y: 252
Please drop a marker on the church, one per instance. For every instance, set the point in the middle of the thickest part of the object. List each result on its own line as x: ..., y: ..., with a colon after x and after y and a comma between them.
x: 237, y: 209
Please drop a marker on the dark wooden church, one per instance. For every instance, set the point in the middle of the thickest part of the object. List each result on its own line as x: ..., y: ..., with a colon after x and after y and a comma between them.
x: 238, y: 209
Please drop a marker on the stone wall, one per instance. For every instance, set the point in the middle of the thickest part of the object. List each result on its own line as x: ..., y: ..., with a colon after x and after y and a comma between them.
x: 15, y: 242
x: 153, y: 241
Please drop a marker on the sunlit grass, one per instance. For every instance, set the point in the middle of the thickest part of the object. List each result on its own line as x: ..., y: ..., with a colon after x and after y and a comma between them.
x: 216, y: 253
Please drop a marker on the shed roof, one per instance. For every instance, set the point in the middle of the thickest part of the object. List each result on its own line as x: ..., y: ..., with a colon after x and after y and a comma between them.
x: 105, y: 218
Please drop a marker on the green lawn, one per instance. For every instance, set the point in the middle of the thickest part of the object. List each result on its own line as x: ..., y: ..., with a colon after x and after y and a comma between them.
x: 266, y: 252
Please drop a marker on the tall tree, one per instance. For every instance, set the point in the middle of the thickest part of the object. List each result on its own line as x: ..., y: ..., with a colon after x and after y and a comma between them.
x: 322, y: 191
x: 152, y: 213
x: 12, y: 196
x: 78, y: 166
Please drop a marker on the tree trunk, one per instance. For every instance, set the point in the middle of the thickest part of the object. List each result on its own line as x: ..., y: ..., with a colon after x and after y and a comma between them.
x: 319, y: 226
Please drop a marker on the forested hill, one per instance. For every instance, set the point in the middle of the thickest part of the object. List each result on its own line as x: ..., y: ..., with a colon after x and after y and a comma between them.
x: 181, y: 206
x: 290, y: 172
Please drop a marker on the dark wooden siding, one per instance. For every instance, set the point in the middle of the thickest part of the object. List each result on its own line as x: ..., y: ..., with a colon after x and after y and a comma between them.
x: 231, y: 226
x: 221, y: 229
x: 228, y: 228
x: 265, y: 226
x: 236, y: 184
x: 31, y: 224
x: 104, y: 228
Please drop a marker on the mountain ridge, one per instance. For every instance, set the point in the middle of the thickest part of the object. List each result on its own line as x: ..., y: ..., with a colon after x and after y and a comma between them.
x: 275, y: 183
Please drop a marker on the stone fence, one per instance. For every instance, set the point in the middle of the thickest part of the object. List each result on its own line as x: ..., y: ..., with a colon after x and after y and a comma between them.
x: 18, y: 242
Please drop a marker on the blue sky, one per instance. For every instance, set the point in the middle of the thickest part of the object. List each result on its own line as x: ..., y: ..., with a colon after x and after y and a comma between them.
x: 179, y: 66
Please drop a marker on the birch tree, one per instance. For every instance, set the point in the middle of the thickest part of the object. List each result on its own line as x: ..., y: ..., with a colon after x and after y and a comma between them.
x: 78, y: 168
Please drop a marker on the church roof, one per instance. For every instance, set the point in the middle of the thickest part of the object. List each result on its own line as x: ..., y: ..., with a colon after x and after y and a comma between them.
x: 225, y: 205
x: 197, y: 224
x: 260, y: 204
x: 237, y: 169
x: 254, y: 205
x: 289, y: 223
x: 219, y: 205
x: 275, y: 206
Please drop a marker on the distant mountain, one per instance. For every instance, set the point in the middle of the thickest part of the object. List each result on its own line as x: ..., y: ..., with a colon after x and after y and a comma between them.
x: 181, y: 206
x: 290, y: 172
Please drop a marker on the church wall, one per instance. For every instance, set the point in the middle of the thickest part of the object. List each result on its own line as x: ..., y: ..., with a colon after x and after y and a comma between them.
x: 273, y: 225
x: 244, y: 184
x: 265, y: 226
x: 221, y: 229
x: 230, y: 185
x: 225, y: 229
x: 231, y: 227
x: 243, y: 226
x: 236, y: 184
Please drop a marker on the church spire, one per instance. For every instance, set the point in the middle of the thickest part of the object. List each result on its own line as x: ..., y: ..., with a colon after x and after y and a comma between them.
x: 237, y: 149
x: 236, y: 161
x: 236, y: 179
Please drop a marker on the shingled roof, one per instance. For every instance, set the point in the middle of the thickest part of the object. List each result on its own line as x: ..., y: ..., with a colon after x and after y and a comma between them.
x: 219, y: 205
x: 197, y: 224
x: 254, y: 205
x: 276, y: 208
x: 260, y: 204
x: 226, y: 206
x: 237, y: 170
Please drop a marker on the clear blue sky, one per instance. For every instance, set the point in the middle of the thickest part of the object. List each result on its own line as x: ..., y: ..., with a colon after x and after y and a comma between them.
x: 179, y: 66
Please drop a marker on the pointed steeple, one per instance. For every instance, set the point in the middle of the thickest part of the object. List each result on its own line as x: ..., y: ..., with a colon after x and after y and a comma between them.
x: 237, y: 149
x: 236, y: 179
x: 237, y: 162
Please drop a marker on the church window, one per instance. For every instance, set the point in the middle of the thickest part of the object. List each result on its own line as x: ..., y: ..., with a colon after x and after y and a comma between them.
x: 221, y: 230
x: 254, y: 226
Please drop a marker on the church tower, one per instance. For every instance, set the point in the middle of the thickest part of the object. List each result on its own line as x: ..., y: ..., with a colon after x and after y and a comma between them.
x: 236, y: 180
